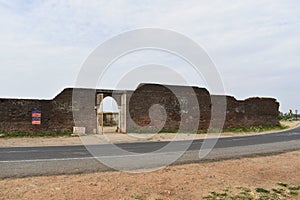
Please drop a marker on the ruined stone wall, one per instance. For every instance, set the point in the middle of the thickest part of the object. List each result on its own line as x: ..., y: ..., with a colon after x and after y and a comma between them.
x: 174, y: 113
x: 15, y: 114
x: 181, y: 109
x: 61, y: 117
x: 250, y: 112
x: 261, y: 111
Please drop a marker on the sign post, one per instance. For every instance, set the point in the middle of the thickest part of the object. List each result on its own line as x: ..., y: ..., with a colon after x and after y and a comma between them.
x: 296, y: 111
x: 36, y: 117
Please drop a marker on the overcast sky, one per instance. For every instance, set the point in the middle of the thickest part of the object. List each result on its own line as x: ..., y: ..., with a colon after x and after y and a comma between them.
x: 255, y: 45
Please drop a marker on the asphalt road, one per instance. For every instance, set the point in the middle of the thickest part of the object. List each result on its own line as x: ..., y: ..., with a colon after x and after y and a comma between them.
x: 31, y: 161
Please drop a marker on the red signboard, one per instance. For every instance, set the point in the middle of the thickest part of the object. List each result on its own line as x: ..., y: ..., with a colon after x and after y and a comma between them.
x: 36, y: 116
x: 36, y: 122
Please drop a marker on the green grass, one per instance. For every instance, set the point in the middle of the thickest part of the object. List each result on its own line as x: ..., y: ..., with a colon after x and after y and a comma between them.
x: 262, y: 190
x: 238, y: 130
x: 153, y: 131
x: 15, y: 134
x: 23, y: 134
x: 284, y: 191
x: 256, y: 129
x: 282, y: 184
x: 137, y: 197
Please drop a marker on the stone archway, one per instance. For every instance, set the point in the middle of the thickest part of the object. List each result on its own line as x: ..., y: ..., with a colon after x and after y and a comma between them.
x: 109, y: 115
x: 120, y: 100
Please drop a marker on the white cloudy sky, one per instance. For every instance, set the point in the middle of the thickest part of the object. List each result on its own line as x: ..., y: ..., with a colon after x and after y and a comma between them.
x: 255, y: 45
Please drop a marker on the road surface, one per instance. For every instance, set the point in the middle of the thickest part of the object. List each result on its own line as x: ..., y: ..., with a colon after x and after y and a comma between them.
x: 52, y: 160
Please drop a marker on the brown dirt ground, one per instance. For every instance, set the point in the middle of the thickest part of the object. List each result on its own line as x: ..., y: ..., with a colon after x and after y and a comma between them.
x: 191, y: 181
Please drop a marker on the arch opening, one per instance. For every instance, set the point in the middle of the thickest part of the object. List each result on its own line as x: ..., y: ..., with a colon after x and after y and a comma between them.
x: 109, y: 115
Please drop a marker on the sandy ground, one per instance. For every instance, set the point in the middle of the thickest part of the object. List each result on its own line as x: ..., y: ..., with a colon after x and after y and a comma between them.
x: 117, y: 138
x: 192, y: 181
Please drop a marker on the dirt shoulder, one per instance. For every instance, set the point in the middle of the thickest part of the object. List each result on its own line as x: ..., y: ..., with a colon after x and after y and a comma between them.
x: 191, y: 181
x: 119, y: 138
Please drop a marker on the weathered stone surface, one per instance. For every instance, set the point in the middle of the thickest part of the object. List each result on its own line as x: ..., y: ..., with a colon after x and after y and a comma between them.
x: 178, y: 112
x: 148, y: 101
x: 251, y: 112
